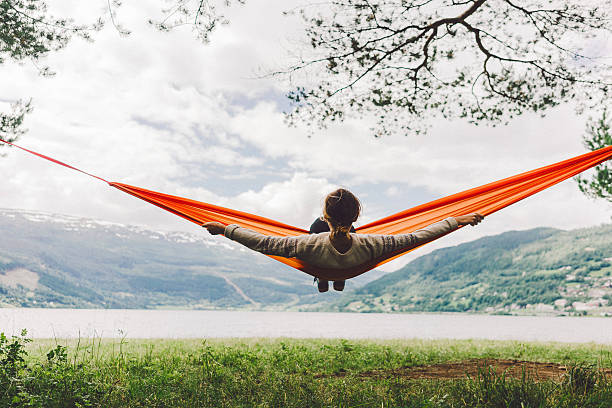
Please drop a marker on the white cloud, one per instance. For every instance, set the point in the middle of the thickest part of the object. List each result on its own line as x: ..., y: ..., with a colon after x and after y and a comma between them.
x: 297, y: 201
x: 392, y: 191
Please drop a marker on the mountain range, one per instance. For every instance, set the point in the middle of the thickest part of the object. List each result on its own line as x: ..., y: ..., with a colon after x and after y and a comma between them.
x: 537, y: 271
x: 51, y: 260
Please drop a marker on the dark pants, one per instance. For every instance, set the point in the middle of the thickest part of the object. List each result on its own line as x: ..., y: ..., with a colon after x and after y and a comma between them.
x: 319, y: 225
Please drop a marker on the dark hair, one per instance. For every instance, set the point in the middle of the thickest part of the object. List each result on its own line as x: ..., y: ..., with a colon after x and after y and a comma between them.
x: 341, y: 209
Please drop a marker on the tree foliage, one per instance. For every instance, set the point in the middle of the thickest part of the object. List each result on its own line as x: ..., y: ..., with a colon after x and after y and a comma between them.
x: 598, y: 184
x: 28, y: 32
x: 10, y: 123
x: 406, y: 61
x: 202, y: 16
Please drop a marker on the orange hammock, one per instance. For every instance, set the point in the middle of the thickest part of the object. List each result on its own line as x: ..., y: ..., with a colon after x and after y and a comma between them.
x: 485, y: 200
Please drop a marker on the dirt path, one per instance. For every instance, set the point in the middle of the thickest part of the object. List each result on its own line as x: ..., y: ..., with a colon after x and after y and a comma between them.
x: 237, y: 289
x: 462, y: 369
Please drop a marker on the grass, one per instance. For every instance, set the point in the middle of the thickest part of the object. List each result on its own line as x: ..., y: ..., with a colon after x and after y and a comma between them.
x: 287, y: 373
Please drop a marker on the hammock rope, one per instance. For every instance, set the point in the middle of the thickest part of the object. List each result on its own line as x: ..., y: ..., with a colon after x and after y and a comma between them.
x: 485, y: 200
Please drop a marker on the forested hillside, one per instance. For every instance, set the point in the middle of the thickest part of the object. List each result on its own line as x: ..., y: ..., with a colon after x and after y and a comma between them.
x: 541, y: 270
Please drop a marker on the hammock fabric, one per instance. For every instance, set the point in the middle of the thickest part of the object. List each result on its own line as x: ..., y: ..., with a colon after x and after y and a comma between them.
x: 485, y: 200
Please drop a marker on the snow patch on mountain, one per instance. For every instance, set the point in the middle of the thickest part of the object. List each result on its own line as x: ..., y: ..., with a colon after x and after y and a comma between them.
x: 74, y: 223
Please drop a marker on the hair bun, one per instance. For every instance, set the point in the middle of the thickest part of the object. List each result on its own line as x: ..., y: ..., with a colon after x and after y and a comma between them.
x: 342, y: 209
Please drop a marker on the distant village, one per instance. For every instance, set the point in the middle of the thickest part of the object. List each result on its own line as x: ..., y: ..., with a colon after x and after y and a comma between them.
x: 580, y: 296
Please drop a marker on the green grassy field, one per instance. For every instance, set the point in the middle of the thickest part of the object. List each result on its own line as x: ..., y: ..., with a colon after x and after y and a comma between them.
x: 290, y: 373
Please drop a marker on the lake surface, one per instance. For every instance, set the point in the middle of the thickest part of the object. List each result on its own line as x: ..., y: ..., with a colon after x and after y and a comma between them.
x: 71, y: 323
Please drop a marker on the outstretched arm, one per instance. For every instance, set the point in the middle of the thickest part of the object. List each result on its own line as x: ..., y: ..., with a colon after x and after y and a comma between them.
x: 216, y: 228
x: 279, y: 246
x: 393, y: 243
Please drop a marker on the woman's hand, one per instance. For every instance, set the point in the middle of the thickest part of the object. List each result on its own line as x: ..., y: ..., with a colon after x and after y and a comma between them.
x: 471, y: 219
x: 214, y: 228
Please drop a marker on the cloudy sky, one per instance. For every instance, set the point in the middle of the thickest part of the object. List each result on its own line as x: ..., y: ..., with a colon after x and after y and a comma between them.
x: 165, y: 112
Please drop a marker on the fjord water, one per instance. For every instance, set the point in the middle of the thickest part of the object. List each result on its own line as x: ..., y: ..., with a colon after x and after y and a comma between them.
x: 87, y: 323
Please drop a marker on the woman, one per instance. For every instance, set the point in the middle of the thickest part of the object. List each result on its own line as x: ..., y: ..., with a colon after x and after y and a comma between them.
x: 339, y: 248
x: 318, y: 226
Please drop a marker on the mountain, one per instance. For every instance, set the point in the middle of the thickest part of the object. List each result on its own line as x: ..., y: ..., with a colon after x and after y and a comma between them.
x: 51, y: 260
x: 542, y: 270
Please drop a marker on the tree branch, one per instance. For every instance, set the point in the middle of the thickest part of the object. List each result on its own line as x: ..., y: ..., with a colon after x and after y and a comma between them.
x: 433, y: 27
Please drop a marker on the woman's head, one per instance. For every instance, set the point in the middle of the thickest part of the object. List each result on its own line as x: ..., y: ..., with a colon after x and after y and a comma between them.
x: 341, y: 208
